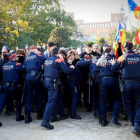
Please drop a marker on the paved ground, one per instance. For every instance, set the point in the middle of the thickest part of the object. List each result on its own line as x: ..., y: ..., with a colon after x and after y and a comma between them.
x: 85, y: 129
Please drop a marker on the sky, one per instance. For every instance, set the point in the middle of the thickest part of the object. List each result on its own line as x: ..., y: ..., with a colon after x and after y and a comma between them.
x: 98, y: 10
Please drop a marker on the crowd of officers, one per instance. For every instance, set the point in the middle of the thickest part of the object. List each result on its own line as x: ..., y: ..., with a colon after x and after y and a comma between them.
x: 67, y: 78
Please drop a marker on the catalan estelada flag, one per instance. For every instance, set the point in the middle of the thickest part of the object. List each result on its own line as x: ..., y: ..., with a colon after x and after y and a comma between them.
x: 133, y: 7
x: 136, y: 39
x: 120, y: 38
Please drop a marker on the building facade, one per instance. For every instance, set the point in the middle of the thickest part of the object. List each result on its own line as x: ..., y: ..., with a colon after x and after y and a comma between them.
x: 102, y: 29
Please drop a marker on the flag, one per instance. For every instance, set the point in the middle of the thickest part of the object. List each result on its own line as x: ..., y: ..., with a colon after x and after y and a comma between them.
x: 136, y: 39
x: 120, y: 37
x: 133, y: 7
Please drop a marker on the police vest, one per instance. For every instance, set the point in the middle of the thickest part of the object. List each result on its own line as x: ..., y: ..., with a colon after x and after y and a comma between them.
x: 10, y: 73
x: 50, y: 70
x: 106, y: 70
x: 32, y: 62
x: 132, y: 65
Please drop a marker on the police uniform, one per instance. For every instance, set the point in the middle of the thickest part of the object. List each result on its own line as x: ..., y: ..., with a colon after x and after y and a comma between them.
x: 11, y: 85
x: 94, y: 74
x: 33, y: 67
x: 109, y: 85
x: 52, y: 68
x: 72, y: 82
x: 129, y: 63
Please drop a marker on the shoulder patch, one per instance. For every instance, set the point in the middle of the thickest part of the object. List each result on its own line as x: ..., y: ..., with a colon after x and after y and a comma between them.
x: 17, y: 64
x: 59, y: 60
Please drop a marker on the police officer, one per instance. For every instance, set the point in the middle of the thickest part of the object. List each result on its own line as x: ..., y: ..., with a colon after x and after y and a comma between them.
x: 52, y: 68
x: 109, y: 84
x: 129, y: 63
x: 33, y: 68
x: 73, y: 82
x: 94, y: 81
x: 11, y: 85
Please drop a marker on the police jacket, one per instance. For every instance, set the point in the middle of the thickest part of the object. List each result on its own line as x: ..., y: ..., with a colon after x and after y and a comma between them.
x: 11, y: 71
x: 53, y: 66
x: 105, y: 71
x: 33, y: 62
x: 94, y: 70
x: 129, y: 63
x: 74, y: 74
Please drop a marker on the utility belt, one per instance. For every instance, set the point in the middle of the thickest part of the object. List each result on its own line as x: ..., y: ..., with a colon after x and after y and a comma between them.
x: 33, y: 73
x: 56, y: 83
x: 131, y: 81
x: 109, y: 77
x: 11, y: 84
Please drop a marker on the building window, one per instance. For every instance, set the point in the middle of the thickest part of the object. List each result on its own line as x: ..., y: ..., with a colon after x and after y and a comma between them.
x: 105, y: 25
x: 101, y: 25
x: 95, y: 26
x: 108, y: 25
x: 116, y: 18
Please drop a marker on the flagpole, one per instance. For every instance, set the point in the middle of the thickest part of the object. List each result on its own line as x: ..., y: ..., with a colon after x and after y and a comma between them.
x: 130, y: 23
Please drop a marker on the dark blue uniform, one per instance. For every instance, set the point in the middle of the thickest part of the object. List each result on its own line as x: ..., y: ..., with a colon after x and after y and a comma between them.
x: 131, y: 75
x: 94, y: 73
x: 52, y: 68
x: 33, y: 66
x: 72, y: 82
x: 11, y: 84
x: 109, y: 84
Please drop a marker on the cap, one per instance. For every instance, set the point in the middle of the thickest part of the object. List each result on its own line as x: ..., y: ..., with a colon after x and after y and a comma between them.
x: 12, y: 55
x: 32, y: 47
x: 129, y: 44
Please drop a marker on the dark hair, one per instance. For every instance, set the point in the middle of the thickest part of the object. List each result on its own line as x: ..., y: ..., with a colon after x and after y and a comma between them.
x: 50, y: 44
x: 54, y: 50
x: 63, y: 52
x: 88, y: 45
x: 21, y: 52
x: 70, y: 53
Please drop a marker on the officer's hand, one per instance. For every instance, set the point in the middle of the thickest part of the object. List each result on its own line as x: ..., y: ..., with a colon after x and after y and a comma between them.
x: 113, y: 61
x: 72, y: 67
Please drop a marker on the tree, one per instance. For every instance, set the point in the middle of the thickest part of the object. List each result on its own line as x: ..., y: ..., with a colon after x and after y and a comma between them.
x: 60, y: 36
x: 101, y: 42
x: 34, y: 19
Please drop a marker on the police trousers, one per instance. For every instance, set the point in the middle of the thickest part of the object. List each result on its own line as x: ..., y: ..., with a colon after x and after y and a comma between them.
x: 31, y: 84
x: 6, y: 93
x: 109, y: 85
x: 132, y: 101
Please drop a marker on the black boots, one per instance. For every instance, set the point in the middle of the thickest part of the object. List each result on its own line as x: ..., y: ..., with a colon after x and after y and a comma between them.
x: 115, y: 120
x: 39, y: 115
x: 28, y: 119
x: 96, y: 114
x: 103, y: 122
x: 0, y: 124
x: 19, y: 118
x: 46, y: 124
x: 136, y: 129
x: 74, y: 116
